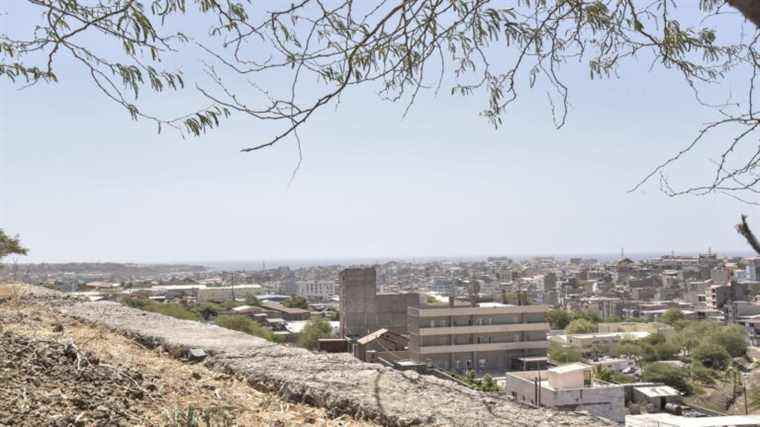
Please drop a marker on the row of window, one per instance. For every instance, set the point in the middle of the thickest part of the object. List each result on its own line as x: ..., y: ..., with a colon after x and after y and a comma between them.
x: 459, y: 365
x: 482, y: 321
x: 483, y: 339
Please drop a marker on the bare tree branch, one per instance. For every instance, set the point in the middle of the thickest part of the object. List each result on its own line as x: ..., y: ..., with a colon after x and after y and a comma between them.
x: 746, y: 232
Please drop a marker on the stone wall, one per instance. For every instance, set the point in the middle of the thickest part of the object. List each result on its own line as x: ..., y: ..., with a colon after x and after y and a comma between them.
x: 337, y: 382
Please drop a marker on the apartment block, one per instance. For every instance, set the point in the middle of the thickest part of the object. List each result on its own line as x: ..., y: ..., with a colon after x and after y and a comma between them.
x: 316, y: 290
x: 489, y: 337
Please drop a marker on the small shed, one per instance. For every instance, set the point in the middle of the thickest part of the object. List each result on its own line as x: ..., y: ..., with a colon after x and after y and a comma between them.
x: 658, y: 395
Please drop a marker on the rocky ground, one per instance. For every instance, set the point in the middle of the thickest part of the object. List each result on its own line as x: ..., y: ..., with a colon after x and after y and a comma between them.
x: 59, y: 371
x: 256, y: 381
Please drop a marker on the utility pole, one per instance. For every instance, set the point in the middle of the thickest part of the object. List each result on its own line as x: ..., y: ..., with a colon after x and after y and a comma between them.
x: 233, y: 287
x: 746, y: 408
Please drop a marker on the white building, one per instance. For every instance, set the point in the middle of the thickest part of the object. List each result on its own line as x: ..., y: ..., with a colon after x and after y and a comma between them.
x: 227, y: 293
x: 670, y: 420
x: 568, y: 387
x: 316, y: 290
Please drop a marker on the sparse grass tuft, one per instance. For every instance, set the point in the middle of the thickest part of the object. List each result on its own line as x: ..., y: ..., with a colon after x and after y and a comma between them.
x: 199, y: 417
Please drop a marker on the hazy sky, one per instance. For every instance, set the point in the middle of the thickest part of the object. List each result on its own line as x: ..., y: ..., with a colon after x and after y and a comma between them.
x: 79, y: 181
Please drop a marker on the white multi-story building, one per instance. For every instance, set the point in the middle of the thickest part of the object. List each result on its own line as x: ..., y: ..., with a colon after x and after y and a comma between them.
x: 227, y: 293
x: 321, y: 290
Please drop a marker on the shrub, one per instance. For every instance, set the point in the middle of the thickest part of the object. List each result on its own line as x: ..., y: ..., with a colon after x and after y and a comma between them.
x: 558, y: 318
x: 732, y: 338
x: 296, y: 302
x: 671, y: 316
x: 246, y: 325
x: 173, y: 310
x: 702, y: 374
x: 580, y: 326
x: 560, y: 354
x: 167, y: 309
x: 712, y: 355
x: 315, y: 329
x: 669, y: 375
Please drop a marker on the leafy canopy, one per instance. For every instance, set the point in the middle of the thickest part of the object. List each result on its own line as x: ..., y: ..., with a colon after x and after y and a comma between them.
x: 493, y: 49
x: 10, y: 245
x: 580, y: 326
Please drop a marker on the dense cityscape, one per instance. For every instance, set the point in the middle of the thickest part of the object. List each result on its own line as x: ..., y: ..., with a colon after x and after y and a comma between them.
x: 661, y: 338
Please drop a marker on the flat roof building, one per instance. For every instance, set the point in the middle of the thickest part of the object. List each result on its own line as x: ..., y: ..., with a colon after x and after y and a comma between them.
x: 568, y: 387
x: 489, y: 339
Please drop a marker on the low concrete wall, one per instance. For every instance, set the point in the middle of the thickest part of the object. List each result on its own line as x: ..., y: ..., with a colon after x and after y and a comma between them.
x: 337, y: 382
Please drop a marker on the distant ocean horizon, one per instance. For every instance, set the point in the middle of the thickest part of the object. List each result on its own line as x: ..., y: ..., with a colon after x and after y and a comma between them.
x: 257, y: 265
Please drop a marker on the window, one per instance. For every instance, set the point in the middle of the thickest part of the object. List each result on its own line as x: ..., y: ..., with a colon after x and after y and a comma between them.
x: 482, y: 363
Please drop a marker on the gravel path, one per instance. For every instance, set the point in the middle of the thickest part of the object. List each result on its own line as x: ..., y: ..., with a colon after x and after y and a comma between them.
x: 337, y: 382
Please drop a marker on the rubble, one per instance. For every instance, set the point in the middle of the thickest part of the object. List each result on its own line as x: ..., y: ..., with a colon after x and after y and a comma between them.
x: 55, y: 384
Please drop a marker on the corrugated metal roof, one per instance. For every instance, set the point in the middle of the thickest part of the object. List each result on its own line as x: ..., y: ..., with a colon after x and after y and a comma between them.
x: 658, y: 391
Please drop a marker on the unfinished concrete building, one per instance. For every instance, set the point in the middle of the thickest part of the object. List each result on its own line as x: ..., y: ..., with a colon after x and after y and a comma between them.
x: 488, y: 338
x: 568, y: 387
x: 363, y: 310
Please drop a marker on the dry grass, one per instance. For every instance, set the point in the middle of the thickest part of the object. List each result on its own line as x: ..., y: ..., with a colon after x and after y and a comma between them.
x: 181, y: 385
x: 12, y: 291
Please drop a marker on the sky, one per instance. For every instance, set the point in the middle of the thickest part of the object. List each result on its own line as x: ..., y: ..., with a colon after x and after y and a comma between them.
x: 80, y: 181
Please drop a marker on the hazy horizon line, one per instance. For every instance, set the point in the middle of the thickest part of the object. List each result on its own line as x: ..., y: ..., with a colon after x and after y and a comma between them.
x: 338, y: 260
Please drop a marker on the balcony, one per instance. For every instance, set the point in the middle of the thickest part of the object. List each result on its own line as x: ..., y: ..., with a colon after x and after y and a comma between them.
x: 484, y: 329
x: 501, y: 346
x: 475, y: 311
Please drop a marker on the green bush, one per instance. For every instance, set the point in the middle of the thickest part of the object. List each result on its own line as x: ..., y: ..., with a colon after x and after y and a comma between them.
x: 712, y: 355
x: 246, y: 325
x: 296, y: 302
x: 580, y: 326
x: 560, y: 354
x: 610, y: 376
x: 173, y: 310
x: 558, y: 318
x: 167, y: 309
x: 669, y: 375
x: 487, y: 383
x: 315, y: 329
x: 138, y: 303
x: 732, y: 338
x: 702, y: 374
x: 672, y: 316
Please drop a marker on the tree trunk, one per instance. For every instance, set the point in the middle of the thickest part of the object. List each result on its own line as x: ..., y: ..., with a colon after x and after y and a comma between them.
x: 749, y: 8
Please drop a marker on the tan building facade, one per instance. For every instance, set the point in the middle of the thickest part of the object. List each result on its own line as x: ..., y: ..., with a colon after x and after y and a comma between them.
x: 482, y: 339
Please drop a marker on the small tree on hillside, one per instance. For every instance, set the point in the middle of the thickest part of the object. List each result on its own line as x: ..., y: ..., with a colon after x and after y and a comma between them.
x: 712, y: 356
x: 669, y: 375
x: 10, y: 245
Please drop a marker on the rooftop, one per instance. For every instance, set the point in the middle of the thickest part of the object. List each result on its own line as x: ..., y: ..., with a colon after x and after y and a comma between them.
x: 571, y: 367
